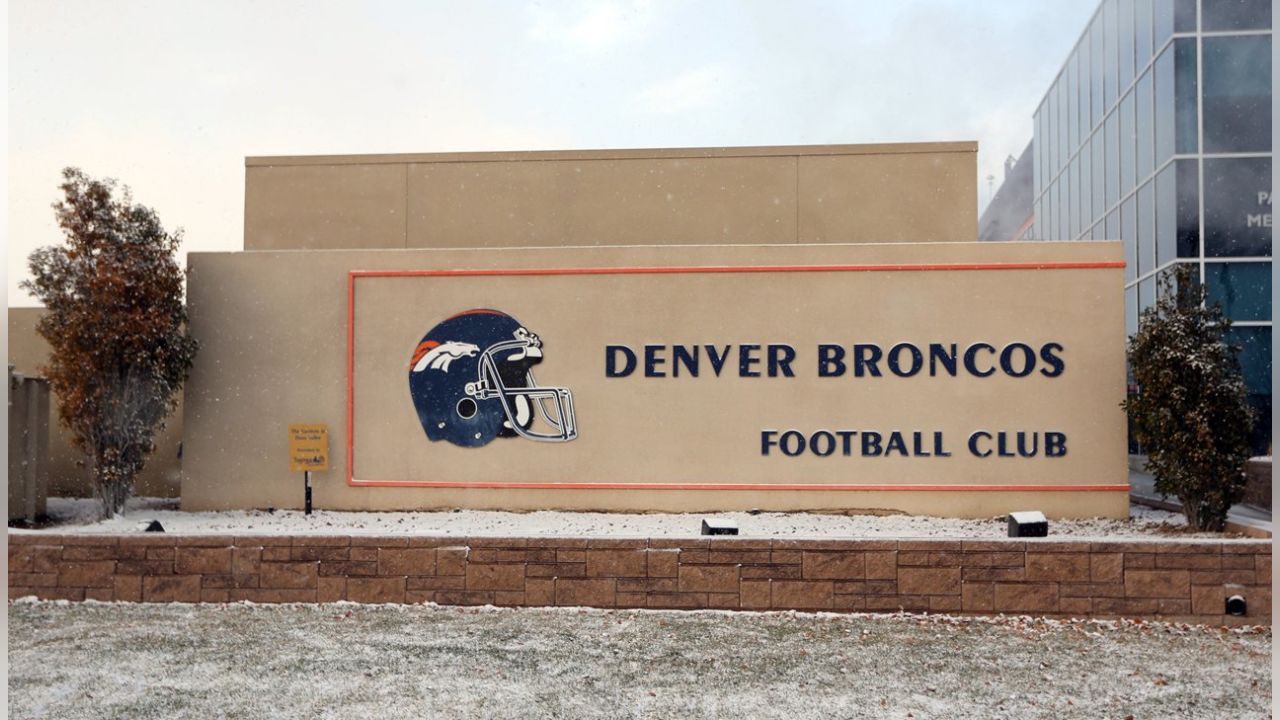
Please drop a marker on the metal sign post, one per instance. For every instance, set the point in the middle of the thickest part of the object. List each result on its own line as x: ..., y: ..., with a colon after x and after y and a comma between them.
x: 308, y: 451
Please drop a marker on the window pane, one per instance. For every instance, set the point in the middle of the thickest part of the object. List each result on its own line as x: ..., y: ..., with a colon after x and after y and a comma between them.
x: 1146, y: 294
x: 1111, y: 73
x: 1142, y: 33
x: 1237, y: 94
x: 1184, y: 92
x: 1129, y: 232
x: 1099, y: 179
x: 1037, y: 163
x: 1243, y: 288
x: 1073, y: 105
x: 1113, y: 159
x: 1162, y: 22
x: 1128, y: 144
x: 1188, y: 173
x: 1131, y: 311
x: 1082, y: 74
x: 1147, y: 230
x: 1176, y: 218
x: 1124, y: 29
x: 1063, y: 151
x: 1237, y: 214
x: 1113, y: 225
x: 1184, y: 15
x: 1146, y: 126
x: 1073, y: 199
x: 1164, y: 121
x: 1086, y: 191
x: 1236, y: 14
x: 1037, y: 231
x: 1097, y: 106
x: 1255, y: 356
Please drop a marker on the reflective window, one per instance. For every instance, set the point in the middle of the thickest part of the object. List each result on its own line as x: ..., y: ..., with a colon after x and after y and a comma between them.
x: 1129, y: 233
x: 1128, y: 144
x: 1184, y: 93
x: 1073, y: 199
x: 1073, y: 106
x: 1146, y: 229
x: 1184, y: 15
x: 1177, y: 215
x: 1146, y: 294
x: 1082, y: 74
x: 1037, y: 162
x: 1111, y: 73
x: 1146, y: 126
x: 1164, y: 121
x: 1086, y: 180
x: 1236, y: 14
x: 1097, y: 106
x: 1237, y: 93
x: 1113, y: 159
x: 1237, y: 213
x: 1124, y: 30
x: 1099, y: 183
x: 1113, y: 225
x: 1255, y: 356
x: 1142, y: 33
x: 1243, y: 288
x: 1037, y: 231
x: 1131, y: 311
x: 1161, y: 22
x: 1064, y: 152
x: 1188, y: 179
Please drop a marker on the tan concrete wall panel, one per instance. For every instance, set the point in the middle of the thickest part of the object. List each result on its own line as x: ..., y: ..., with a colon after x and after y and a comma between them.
x: 762, y: 195
x: 888, y: 198
x: 274, y: 352
x: 602, y: 202
x: 159, y: 478
x: 324, y: 207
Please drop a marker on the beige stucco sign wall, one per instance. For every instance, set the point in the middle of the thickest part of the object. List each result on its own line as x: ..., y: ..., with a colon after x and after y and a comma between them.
x: 962, y: 378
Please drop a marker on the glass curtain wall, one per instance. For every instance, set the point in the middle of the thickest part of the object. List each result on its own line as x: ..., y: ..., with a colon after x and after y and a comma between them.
x: 1157, y: 132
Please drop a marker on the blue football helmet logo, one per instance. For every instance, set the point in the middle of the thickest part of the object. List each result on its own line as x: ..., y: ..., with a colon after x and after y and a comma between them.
x: 471, y: 381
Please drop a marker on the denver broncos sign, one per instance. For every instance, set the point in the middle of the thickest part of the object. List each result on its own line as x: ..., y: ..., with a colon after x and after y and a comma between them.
x: 627, y: 383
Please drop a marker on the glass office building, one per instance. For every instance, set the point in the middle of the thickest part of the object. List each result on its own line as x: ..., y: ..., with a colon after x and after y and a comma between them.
x: 1157, y: 132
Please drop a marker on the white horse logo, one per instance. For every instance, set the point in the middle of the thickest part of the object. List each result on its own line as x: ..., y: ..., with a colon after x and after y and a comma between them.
x: 438, y: 356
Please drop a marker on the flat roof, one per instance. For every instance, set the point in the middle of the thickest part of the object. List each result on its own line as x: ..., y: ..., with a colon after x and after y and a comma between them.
x: 618, y: 154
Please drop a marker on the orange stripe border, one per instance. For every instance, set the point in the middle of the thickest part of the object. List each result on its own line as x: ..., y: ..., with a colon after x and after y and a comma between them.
x: 353, y: 275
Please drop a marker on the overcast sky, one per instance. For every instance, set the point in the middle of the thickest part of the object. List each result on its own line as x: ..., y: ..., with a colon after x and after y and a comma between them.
x: 170, y: 96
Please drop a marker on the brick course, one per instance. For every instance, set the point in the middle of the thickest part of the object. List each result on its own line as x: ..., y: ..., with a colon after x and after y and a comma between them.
x: 1183, y: 580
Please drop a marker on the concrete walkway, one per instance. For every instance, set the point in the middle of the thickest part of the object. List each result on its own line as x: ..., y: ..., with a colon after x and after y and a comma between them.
x: 1244, y: 519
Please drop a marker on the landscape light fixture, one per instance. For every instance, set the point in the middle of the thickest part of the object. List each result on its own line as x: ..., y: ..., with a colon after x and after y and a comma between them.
x: 150, y: 526
x: 719, y: 527
x: 1236, y: 605
x: 1031, y: 523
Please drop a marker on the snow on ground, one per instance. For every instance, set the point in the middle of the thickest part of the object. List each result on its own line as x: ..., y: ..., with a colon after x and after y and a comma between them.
x: 90, y: 660
x: 78, y: 515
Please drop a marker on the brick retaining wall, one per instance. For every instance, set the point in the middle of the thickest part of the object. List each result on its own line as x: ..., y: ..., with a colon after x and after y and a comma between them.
x: 1151, y: 578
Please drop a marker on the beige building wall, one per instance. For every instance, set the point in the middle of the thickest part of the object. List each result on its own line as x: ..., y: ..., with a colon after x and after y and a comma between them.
x: 273, y: 328
x: 911, y: 192
x: 28, y: 352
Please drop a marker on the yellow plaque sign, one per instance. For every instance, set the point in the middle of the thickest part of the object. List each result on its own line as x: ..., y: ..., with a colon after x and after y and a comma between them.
x: 308, y: 447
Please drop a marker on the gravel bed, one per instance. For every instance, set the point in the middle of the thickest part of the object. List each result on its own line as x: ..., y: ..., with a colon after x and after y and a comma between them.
x: 79, y: 515
x: 116, y: 660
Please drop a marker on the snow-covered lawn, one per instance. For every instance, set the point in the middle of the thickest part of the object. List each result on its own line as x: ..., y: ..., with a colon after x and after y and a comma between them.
x: 71, y: 515
x: 88, y: 660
